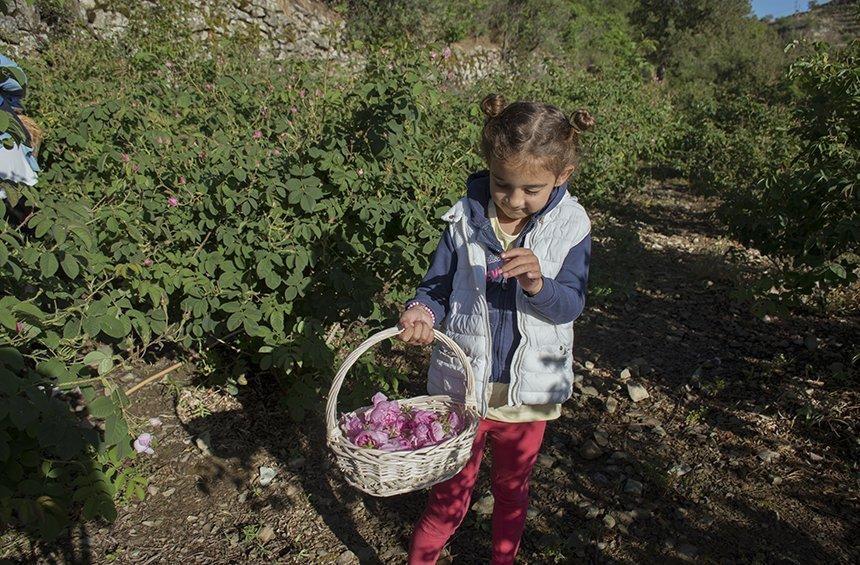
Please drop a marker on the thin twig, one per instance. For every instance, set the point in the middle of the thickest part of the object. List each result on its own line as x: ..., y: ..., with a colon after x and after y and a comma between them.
x: 148, y: 380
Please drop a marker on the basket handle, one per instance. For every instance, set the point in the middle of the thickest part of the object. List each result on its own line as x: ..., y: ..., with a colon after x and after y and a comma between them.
x: 331, y: 403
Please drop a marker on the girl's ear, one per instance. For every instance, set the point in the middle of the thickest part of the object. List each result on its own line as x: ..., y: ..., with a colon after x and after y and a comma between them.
x: 565, y: 174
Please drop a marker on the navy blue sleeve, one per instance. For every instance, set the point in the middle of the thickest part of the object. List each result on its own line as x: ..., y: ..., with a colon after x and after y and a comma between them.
x: 435, y: 289
x: 562, y: 299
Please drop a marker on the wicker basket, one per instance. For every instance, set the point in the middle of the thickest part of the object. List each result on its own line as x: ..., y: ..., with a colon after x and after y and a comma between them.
x: 386, y: 473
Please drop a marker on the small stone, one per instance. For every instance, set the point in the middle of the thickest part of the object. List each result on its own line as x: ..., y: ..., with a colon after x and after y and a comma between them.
x: 204, y: 443
x: 148, y: 523
x: 266, y: 534
x: 590, y: 391
x: 776, y: 481
x: 545, y: 460
x: 532, y: 513
x: 169, y: 492
x: 633, y: 487
x: 590, y: 450
x: 625, y: 374
x: 484, y: 506
x: 815, y: 457
x: 346, y: 558
x: 191, y: 518
x: 626, y: 518
x: 243, y: 497
x: 128, y: 377
x: 679, y: 470
x: 293, y: 490
x: 152, y: 490
x: 637, y: 392
x: 768, y: 456
x: 611, y: 404
x: 267, y: 475
x: 592, y: 512
x: 609, y: 521
x: 589, y: 365
x: 601, y: 437
x: 577, y: 379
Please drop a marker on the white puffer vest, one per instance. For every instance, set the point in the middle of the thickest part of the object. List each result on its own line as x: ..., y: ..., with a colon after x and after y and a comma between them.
x: 542, y: 366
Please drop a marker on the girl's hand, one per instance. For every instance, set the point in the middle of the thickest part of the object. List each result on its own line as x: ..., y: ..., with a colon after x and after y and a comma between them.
x: 522, y: 263
x: 418, y: 326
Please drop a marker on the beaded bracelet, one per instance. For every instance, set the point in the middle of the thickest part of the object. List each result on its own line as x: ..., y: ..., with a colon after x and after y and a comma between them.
x: 425, y: 307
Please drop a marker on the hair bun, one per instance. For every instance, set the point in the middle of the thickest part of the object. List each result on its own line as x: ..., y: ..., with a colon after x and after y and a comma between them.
x: 582, y: 120
x: 493, y: 104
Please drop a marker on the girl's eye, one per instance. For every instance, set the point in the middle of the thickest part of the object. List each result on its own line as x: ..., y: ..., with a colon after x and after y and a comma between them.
x: 532, y: 192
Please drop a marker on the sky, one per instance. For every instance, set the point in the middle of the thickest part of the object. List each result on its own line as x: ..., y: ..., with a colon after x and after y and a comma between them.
x: 779, y: 8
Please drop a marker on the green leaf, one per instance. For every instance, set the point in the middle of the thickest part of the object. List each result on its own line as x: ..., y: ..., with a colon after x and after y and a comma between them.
x: 52, y: 368
x: 7, y: 319
x: 116, y: 327
x: 9, y: 357
x: 48, y: 264
x: 102, y: 407
x: 29, y: 309
x: 93, y: 358
x: 70, y: 266
x: 838, y: 270
x: 105, y: 365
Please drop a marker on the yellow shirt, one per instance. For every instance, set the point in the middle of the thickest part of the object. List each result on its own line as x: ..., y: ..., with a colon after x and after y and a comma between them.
x: 498, y: 406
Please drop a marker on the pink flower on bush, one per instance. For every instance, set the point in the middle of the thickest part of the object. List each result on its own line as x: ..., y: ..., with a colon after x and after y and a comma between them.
x: 360, y: 172
x: 294, y: 110
x: 125, y: 157
x: 446, y: 53
x: 173, y: 202
x: 147, y: 262
x: 142, y: 444
x: 181, y: 180
x: 135, y: 167
x: 19, y: 327
x: 432, y: 55
x: 257, y: 134
x: 276, y: 152
x: 303, y: 93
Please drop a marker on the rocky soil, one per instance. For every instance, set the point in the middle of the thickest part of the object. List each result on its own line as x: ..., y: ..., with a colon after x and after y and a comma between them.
x: 698, y: 432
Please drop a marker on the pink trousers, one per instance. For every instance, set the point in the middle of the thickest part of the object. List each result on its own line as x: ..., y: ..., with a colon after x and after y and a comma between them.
x: 515, y: 449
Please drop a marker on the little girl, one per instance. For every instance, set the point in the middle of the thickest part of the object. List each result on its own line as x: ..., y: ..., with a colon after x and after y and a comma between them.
x: 506, y: 283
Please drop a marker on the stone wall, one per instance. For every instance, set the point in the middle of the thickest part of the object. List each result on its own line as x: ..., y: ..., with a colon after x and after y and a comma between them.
x: 285, y: 27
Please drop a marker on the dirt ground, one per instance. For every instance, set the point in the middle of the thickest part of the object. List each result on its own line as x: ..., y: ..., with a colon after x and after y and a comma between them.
x: 745, y: 450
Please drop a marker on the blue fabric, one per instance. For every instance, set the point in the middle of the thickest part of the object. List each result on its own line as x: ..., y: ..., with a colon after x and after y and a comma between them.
x: 14, y: 161
x: 10, y: 89
x: 561, y: 300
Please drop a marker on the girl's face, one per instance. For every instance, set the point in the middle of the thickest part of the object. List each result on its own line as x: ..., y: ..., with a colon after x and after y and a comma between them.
x: 520, y: 189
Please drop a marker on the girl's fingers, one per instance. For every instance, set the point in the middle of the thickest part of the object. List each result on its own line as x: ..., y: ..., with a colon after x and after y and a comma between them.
x: 516, y: 252
x: 427, y: 336
x: 530, y: 260
x: 522, y: 269
x: 406, y: 334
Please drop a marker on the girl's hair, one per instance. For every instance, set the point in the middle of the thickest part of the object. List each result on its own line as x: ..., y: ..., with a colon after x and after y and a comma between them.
x: 533, y: 131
